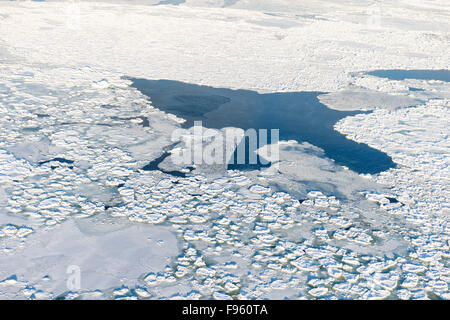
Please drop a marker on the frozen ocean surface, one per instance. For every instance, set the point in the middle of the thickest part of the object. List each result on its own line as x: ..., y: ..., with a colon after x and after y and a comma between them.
x: 85, y: 181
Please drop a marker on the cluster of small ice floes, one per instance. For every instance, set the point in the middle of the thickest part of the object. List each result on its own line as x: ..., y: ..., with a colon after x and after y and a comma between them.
x: 75, y: 152
x: 417, y: 139
x: 11, y: 230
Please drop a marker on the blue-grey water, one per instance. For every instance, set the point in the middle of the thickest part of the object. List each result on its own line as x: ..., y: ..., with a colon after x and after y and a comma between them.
x: 298, y: 115
x: 442, y: 75
x: 62, y: 160
x: 173, y: 2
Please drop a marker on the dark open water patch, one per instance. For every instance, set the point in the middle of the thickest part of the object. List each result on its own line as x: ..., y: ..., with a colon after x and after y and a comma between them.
x: 61, y: 160
x: 172, y: 2
x: 415, y: 89
x: 154, y: 166
x: 395, y: 74
x: 248, y: 165
x: 298, y: 115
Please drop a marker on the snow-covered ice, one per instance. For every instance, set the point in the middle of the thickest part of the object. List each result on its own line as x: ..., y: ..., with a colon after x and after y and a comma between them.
x: 76, y: 136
